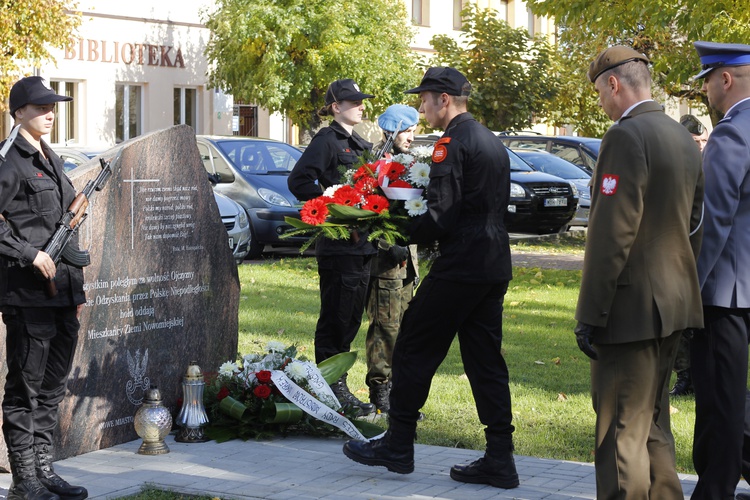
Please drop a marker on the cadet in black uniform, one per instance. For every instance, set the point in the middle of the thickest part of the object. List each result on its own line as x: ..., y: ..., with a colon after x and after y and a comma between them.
x: 343, y: 266
x: 42, y: 331
x: 463, y: 293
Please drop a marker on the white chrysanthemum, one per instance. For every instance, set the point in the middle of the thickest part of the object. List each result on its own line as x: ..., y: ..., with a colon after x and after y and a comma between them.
x: 415, y: 207
x: 275, y: 346
x: 228, y: 369
x: 422, y: 153
x: 419, y: 174
x: 403, y: 159
x: 296, y: 371
x: 330, y: 191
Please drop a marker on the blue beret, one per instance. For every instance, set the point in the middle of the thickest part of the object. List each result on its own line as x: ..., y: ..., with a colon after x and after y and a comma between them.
x: 717, y: 55
x: 396, y: 113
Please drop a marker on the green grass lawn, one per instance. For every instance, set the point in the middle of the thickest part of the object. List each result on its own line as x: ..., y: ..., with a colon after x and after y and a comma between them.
x: 549, y: 375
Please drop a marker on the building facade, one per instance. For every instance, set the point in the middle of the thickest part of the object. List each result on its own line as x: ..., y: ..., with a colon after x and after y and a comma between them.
x: 137, y: 66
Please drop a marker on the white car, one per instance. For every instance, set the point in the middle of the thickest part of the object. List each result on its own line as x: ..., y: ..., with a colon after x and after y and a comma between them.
x: 235, y: 220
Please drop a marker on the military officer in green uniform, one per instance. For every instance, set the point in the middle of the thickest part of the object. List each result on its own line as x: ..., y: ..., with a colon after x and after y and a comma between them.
x: 639, y: 288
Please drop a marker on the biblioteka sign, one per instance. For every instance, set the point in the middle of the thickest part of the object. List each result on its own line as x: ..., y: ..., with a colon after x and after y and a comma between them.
x: 126, y: 53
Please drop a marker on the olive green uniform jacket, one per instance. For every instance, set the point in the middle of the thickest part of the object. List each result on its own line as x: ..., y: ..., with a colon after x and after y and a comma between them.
x: 639, y: 274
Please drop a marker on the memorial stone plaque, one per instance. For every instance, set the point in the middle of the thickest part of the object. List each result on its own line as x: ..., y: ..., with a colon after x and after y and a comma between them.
x: 162, y: 290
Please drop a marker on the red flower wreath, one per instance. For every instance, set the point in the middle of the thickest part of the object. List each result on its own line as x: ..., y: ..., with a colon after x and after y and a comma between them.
x: 376, y: 203
x: 314, y: 211
x: 346, y: 195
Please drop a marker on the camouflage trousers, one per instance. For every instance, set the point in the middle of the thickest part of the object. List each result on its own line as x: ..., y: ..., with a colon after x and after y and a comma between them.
x: 387, y: 300
x: 682, y: 360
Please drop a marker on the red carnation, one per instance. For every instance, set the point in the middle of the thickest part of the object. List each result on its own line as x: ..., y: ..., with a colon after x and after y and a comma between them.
x: 262, y: 391
x: 398, y: 183
x: 347, y: 195
x: 376, y: 203
x: 366, y: 185
x: 264, y: 376
x: 314, y: 211
x: 223, y: 392
x: 395, y: 169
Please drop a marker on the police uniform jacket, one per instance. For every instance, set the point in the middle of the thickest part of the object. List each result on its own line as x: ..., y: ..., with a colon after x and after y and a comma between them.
x: 466, y: 201
x: 34, y: 194
x: 639, y: 276
x: 724, y: 259
x: 318, y: 169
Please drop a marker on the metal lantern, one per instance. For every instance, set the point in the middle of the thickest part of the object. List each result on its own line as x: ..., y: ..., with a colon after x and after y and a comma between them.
x: 152, y: 423
x: 193, y: 414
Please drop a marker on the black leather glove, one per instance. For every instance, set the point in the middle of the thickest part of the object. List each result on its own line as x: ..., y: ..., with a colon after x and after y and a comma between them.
x: 397, y: 255
x: 584, y: 337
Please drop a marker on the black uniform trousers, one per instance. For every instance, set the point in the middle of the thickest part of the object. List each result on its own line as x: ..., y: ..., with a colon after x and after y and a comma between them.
x: 438, y: 311
x: 40, y: 343
x: 343, y: 290
x: 721, y: 443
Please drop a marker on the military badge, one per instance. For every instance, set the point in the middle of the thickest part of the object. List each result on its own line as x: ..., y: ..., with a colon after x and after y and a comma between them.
x: 609, y: 184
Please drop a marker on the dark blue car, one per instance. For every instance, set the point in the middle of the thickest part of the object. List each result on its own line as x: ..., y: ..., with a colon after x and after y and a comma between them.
x: 253, y: 172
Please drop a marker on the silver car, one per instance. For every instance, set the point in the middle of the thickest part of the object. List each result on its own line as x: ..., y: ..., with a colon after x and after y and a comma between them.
x: 234, y: 218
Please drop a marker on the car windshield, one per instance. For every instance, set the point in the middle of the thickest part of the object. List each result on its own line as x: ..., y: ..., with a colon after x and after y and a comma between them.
x: 260, y: 157
x: 517, y: 164
x: 553, y: 165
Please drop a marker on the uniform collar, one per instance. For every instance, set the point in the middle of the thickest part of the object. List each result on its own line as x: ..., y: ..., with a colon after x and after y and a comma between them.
x: 638, y: 108
x: 737, y: 107
x: 28, y: 150
x: 458, y: 119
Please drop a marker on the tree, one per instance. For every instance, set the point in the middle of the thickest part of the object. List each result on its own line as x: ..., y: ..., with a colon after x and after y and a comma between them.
x: 282, y: 54
x: 28, y: 30
x: 510, y: 72
x: 664, y: 30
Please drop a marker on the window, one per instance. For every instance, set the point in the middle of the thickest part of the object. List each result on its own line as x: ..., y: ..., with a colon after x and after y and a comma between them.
x: 535, y: 25
x: 64, y: 129
x: 458, y: 6
x: 420, y: 12
x: 128, y: 111
x: 186, y: 107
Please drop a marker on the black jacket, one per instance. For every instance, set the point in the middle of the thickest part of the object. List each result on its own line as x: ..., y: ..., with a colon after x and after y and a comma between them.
x: 34, y: 194
x: 466, y: 201
x: 318, y: 168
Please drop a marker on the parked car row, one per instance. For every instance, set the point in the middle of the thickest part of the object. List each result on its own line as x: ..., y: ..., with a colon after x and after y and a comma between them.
x: 232, y: 214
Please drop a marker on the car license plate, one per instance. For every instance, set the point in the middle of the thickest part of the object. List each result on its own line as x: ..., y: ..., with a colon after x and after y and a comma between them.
x: 556, y: 202
x: 231, y: 242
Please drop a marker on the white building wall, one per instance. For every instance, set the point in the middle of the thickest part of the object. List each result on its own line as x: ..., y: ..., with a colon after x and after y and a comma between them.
x: 159, y: 46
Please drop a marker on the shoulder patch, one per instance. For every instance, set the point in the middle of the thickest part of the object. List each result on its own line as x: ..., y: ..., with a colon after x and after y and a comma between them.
x: 443, y: 140
x: 609, y: 184
x: 439, y: 154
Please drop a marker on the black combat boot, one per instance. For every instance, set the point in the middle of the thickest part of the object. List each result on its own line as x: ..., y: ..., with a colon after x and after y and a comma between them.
x: 50, y: 480
x: 684, y: 384
x: 386, y: 451
x: 346, y: 398
x: 25, y: 484
x: 380, y: 396
x: 496, y: 468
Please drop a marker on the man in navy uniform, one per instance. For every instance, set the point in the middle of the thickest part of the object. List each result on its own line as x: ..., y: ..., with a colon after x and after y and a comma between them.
x: 467, y: 198
x: 721, y: 447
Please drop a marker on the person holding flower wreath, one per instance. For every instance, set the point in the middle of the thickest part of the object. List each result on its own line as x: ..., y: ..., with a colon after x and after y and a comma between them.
x: 463, y: 294
x: 343, y: 265
x: 393, y: 274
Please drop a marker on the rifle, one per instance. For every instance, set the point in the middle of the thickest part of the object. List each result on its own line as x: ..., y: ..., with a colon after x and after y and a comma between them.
x: 57, y: 247
x: 389, y: 142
